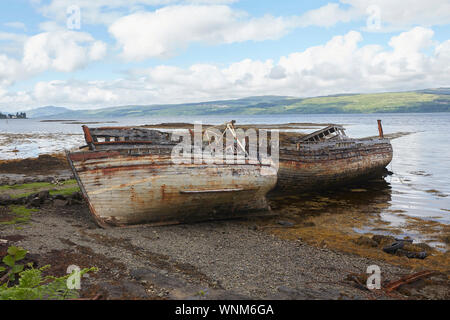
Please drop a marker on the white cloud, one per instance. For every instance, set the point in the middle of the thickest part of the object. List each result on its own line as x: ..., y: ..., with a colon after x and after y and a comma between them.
x: 61, y: 93
x: 97, y: 51
x: 342, y: 65
x: 10, y: 70
x: 12, y: 43
x: 328, y: 16
x: 15, y: 25
x: 51, y: 26
x: 23, y: 57
x: 162, y: 32
x: 107, y: 11
x: 403, y: 14
x: 61, y: 51
x: 394, y: 15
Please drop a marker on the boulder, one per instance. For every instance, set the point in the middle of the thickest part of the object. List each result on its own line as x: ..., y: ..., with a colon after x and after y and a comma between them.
x: 285, y: 223
x: 5, y: 199
x: 59, y: 197
x: 44, y: 195
x: 60, y: 203
x: 366, y: 241
x: 76, y: 196
x: 35, y: 202
x: 383, y: 240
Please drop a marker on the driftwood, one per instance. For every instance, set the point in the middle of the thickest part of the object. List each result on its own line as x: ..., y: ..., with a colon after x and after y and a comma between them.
x: 408, y: 279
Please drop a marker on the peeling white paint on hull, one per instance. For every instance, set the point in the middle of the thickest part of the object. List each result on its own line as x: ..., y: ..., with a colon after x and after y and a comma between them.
x: 124, y: 190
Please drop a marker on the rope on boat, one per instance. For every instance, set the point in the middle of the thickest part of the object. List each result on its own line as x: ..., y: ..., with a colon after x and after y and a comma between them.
x: 228, y: 126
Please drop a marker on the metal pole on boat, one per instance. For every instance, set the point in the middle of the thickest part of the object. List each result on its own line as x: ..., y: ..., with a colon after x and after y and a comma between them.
x: 88, y: 137
x: 380, y: 129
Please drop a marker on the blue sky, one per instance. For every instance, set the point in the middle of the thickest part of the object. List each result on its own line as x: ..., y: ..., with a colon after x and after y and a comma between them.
x: 170, y: 51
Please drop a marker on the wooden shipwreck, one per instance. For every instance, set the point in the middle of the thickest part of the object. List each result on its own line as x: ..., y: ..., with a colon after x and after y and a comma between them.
x: 127, y: 177
x: 328, y: 157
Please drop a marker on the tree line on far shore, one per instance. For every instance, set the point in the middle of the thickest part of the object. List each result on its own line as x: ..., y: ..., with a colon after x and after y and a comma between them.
x: 18, y: 115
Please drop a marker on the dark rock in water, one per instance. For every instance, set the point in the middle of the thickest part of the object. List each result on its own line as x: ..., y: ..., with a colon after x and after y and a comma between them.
x: 405, y: 240
x: 407, y: 249
x: 366, y: 241
x: 5, y: 199
x: 412, y: 254
x: 285, y: 223
x: 392, y: 249
x: 417, y: 255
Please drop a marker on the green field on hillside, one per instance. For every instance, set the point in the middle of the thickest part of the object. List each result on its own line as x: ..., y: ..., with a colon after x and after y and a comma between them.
x: 430, y: 100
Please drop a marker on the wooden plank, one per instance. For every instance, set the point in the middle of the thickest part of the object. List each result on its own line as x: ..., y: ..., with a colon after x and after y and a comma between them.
x: 212, y: 191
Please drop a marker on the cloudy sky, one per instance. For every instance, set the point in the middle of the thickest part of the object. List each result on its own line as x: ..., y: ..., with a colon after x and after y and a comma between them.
x: 97, y: 53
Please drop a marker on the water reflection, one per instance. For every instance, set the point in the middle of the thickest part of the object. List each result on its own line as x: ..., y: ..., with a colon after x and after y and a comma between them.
x: 370, y: 207
x: 359, y: 197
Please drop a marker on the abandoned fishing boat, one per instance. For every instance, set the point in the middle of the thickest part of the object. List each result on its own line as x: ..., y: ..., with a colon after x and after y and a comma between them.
x: 328, y: 157
x: 127, y: 176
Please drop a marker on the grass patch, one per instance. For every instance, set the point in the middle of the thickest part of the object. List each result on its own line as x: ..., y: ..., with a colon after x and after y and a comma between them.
x: 65, y: 191
x: 19, y: 214
x: 69, y: 182
x: 36, y: 185
x: 367, y: 103
x: 21, y: 195
x: 33, y: 185
x: 24, y: 190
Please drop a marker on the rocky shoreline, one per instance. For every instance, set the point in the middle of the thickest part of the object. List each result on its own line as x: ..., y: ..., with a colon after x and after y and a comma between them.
x: 238, y: 259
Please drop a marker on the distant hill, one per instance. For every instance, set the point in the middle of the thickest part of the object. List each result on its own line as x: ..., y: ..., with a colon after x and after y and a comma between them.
x: 48, y: 111
x: 429, y: 100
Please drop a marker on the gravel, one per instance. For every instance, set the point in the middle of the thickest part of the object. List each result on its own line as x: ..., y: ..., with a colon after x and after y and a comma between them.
x: 222, y: 260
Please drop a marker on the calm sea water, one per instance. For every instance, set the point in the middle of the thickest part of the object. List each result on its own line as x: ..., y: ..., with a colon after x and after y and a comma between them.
x: 420, y: 186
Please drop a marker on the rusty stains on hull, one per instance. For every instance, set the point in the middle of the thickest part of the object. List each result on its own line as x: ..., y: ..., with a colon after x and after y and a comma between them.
x: 83, y: 156
x: 129, y: 177
x: 164, y: 193
x: 321, y: 165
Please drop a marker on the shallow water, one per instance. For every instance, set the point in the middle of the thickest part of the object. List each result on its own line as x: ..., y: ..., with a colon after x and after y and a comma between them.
x: 420, y: 186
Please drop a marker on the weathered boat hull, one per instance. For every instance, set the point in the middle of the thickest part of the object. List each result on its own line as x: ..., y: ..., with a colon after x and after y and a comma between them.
x: 133, y: 189
x: 321, y: 165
